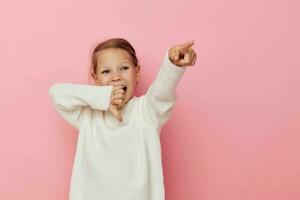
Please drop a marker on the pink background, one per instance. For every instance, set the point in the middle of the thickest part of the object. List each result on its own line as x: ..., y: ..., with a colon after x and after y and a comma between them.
x: 234, y: 132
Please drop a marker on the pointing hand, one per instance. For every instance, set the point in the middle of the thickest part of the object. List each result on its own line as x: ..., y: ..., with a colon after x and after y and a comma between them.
x: 183, y: 54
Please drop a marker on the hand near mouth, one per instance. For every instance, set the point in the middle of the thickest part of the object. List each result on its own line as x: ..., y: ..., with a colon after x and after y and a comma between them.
x: 117, y: 99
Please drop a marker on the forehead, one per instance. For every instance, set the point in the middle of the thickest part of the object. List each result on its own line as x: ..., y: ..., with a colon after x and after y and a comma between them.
x: 112, y: 56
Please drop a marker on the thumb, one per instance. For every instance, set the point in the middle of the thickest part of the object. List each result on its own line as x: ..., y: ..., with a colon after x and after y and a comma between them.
x: 116, y: 113
x: 176, y: 57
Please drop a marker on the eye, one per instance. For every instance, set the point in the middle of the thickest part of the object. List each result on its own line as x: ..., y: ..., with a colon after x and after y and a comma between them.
x: 125, y: 67
x: 104, y: 72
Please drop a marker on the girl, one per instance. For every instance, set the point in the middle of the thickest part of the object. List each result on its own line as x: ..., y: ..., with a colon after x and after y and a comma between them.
x: 118, y: 155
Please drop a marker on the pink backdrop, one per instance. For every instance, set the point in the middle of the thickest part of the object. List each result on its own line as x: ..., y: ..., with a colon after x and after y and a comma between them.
x: 234, y: 132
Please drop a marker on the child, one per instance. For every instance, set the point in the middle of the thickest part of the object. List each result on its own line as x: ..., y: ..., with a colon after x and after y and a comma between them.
x: 118, y: 155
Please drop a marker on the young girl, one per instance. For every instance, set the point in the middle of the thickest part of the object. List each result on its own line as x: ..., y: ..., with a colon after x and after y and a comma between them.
x: 118, y: 155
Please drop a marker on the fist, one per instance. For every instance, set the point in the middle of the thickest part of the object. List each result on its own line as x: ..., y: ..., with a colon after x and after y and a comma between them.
x: 118, y: 96
x: 116, y: 100
x: 183, y: 54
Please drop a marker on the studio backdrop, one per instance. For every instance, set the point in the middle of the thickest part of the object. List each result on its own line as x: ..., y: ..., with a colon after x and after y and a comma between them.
x: 234, y: 132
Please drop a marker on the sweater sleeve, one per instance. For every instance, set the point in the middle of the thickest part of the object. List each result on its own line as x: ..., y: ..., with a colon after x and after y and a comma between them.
x: 71, y: 100
x: 161, y: 95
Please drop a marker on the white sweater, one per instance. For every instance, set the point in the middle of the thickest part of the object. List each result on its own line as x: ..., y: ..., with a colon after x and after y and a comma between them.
x: 118, y: 160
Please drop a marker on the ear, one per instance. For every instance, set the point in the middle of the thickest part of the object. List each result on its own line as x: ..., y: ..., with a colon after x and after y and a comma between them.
x: 137, y: 73
x: 94, y: 78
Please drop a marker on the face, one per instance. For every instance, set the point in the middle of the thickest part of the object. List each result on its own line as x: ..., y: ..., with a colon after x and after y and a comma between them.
x: 114, y: 67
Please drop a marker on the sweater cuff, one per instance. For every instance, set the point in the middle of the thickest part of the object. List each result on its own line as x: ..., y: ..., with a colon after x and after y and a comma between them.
x: 102, y: 98
x: 173, y: 71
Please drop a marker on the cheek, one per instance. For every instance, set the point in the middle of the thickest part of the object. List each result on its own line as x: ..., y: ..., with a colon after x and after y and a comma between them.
x: 132, y: 76
x: 103, y: 80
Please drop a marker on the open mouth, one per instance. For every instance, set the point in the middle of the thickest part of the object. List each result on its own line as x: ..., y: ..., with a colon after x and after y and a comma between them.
x: 124, y: 88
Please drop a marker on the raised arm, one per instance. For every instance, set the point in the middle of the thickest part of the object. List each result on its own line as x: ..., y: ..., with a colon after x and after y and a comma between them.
x: 161, y: 95
x: 72, y: 101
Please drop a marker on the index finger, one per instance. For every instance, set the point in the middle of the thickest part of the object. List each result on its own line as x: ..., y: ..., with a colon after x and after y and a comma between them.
x: 187, y: 44
x: 117, y: 87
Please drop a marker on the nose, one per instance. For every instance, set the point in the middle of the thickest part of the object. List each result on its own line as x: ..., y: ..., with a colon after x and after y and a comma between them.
x: 116, y: 77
